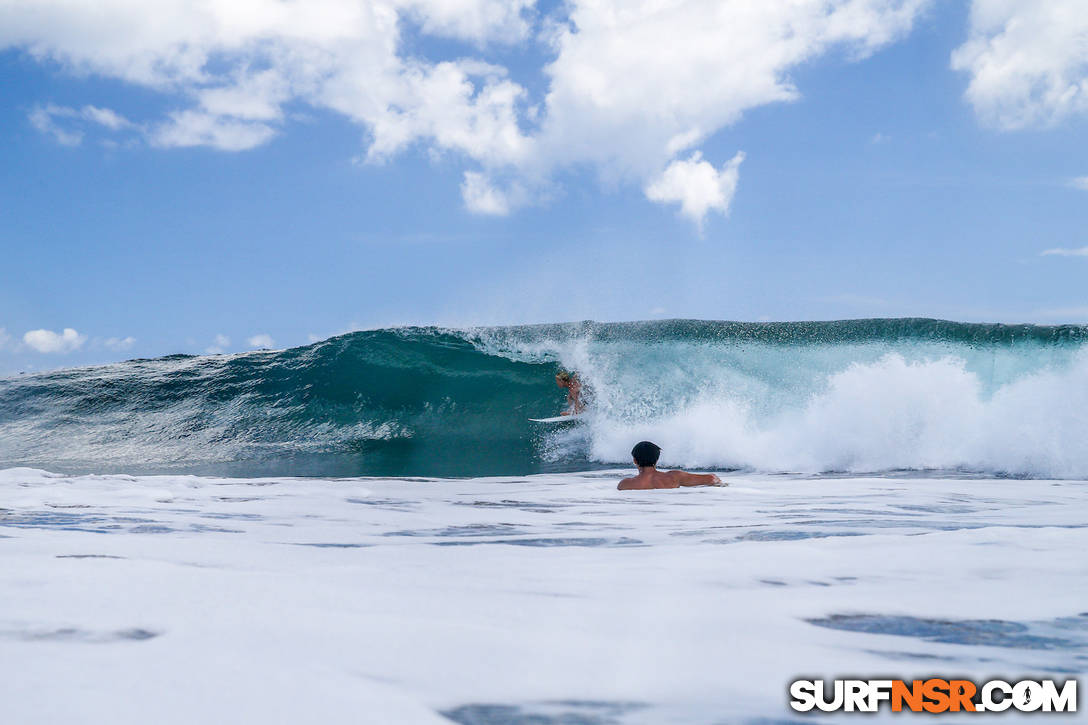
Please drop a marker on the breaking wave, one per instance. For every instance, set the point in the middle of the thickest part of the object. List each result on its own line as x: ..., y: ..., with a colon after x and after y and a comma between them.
x: 851, y: 396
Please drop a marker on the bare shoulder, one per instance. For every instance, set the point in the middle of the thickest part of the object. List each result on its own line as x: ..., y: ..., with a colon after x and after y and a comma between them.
x: 636, y: 483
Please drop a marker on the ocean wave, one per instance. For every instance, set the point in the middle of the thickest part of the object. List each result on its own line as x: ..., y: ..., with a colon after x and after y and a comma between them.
x: 858, y: 396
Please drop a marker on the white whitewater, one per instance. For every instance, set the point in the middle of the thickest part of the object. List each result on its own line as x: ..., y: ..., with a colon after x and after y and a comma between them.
x: 887, y: 413
x: 184, y: 599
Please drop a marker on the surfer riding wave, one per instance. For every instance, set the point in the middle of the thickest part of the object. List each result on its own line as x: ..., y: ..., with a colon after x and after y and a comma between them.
x: 573, y: 386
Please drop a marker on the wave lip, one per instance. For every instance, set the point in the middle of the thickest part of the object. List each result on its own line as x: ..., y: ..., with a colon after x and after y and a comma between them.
x: 848, y: 396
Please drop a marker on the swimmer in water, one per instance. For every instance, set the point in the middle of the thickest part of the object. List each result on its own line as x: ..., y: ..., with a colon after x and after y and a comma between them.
x: 645, y: 455
x: 574, y: 392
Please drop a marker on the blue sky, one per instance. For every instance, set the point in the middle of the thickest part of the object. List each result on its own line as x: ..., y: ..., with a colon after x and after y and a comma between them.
x: 226, y: 195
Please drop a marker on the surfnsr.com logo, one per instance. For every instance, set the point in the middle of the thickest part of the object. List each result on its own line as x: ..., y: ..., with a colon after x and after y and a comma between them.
x: 933, y: 695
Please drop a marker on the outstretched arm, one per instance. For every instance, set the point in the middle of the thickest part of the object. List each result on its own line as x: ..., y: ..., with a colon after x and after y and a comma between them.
x: 695, y: 479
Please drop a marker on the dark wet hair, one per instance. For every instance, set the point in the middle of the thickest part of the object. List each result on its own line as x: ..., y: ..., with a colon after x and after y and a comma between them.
x: 646, y: 454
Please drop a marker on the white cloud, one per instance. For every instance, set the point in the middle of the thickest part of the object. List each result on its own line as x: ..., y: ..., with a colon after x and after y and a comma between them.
x: 252, y: 97
x: 261, y: 340
x: 222, y: 342
x: 119, y: 344
x: 697, y: 186
x: 42, y: 118
x: 1027, y: 61
x: 489, y: 20
x: 636, y: 82
x: 66, y: 125
x: 337, y: 54
x: 1063, y: 252
x: 1080, y: 182
x: 481, y: 197
x: 105, y: 117
x: 47, y: 341
x: 196, y: 128
x: 631, y: 84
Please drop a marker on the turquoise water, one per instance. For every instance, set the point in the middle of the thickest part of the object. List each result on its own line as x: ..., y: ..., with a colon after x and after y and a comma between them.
x: 854, y: 396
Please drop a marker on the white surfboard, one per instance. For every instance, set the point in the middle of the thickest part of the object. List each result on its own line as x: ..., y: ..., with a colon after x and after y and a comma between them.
x: 556, y: 419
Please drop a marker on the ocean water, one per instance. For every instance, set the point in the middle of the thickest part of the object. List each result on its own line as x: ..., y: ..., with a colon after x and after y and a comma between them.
x: 855, y: 396
x: 368, y: 529
x: 542, y: 600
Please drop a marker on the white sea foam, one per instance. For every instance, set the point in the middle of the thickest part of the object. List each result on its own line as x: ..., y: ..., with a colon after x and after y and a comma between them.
x: 179, y: 599
x: 883, y: 413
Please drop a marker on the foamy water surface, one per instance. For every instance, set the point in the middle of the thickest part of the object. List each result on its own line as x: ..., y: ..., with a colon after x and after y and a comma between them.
x: 542, y: 599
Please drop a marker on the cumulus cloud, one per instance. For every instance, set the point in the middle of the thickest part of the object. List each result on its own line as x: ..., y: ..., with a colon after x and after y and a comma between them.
x: 1027, y: 61
x: 338, y: 54
x: 632, y: 86
x: 1064, y: 252
x: 47, y: 341
x: 119, y: 344
x: 697, y: 186
x: 222, y: 342
x: 638, y: 81
x: 263, y: 340
x: 502, y: 21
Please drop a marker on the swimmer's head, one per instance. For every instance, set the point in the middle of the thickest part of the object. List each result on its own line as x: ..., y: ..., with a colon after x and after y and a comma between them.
x: 646, y: 454
x: 563, y: 378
